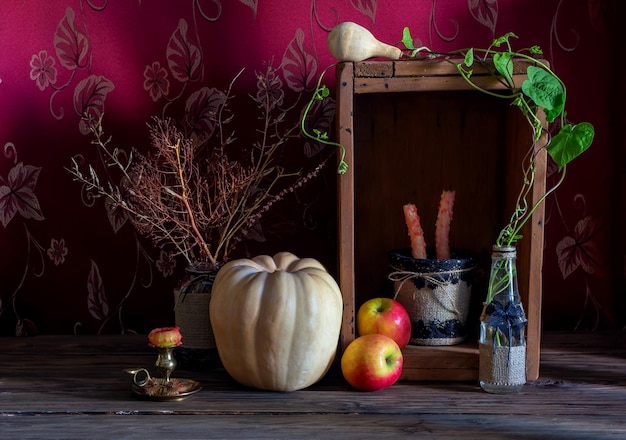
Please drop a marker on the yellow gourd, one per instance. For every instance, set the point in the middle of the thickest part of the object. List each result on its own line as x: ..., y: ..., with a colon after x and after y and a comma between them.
x: 349, y: 41
x: 276, y: 320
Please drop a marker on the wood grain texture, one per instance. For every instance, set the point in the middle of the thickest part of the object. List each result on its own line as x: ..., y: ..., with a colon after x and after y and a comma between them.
x: 345, y: 208
x: 74, y: 388
x: 412, y: 129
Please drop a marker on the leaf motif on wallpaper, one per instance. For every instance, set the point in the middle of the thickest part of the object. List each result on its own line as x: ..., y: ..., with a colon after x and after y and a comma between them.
x: 17, y: 195
x: 96, y: 299
x: 201, y: 108
x: 269, y: 89
x: 183, y: 58
x: 25, y: 327
x: 366, y: 7
x: 299, y: 65
x: 252, y: 4
x: 485, y: 12
x: 599, y: 14
x: 89, y: 97
x: 581, y: 250
x: 117, y: 215
x: 71, y: 46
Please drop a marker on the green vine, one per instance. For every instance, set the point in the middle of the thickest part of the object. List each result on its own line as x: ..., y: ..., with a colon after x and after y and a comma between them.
x: 320, y: 93
x: 542, y: 89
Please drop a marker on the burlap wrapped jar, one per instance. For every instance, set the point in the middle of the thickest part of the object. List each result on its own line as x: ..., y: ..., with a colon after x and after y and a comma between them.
x: 436, y: 293
x: 191, y: 314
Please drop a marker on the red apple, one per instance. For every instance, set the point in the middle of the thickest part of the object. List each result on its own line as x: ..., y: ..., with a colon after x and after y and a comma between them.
x: 387, y: 317
x: 372, y: 362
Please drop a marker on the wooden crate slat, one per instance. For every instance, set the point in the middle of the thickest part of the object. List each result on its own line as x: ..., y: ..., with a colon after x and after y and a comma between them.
x: 453, y: 136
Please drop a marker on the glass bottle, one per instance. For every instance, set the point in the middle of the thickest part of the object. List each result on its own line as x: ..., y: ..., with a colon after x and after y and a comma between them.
x: 502, y: 345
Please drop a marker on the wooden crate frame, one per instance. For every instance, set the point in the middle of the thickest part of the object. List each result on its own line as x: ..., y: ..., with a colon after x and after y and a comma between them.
x: 380, y: 86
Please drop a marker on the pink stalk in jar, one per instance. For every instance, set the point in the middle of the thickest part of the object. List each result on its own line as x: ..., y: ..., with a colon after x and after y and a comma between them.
x: 442, y: 227
x: 416, y: 233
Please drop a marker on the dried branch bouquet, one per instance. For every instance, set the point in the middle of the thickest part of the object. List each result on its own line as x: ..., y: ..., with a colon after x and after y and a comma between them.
x: 199, y: 194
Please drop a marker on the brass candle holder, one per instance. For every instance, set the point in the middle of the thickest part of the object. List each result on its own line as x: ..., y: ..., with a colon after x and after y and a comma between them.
x: 164, y: 388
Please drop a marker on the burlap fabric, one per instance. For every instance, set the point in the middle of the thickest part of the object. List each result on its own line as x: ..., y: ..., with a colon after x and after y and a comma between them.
x: 191, y: 313
x: 435, y: 307
x: 436, y: 294
x: 502, y: 365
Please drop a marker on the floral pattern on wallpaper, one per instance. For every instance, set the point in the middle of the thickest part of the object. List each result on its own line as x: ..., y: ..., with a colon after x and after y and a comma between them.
x: 19, y: 204
x: 174, y: 81
x: 73, y: 55
x: 579, y: 253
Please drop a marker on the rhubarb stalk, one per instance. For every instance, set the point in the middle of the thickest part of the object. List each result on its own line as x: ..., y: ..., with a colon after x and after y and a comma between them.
x: 442, y: 227
x: 412, y: 219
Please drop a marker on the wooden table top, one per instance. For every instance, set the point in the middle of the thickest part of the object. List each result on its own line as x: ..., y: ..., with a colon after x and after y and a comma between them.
x: 74, y: 387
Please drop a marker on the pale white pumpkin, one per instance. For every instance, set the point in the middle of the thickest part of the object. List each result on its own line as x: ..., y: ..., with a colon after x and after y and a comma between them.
x: 276, y: 320
x: 349, y: 41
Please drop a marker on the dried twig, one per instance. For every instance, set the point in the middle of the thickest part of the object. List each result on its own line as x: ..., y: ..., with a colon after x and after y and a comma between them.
x: 190, y: 194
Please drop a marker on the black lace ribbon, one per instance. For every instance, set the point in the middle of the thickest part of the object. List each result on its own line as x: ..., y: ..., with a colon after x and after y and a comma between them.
x: 509, y: 319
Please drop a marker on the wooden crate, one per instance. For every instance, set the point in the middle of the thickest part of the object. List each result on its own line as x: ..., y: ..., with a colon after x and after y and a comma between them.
x: 412, y: 129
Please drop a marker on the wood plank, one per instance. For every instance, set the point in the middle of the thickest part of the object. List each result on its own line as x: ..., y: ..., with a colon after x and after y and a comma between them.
x: 426, y: 68
x: 421, y: 84
x: 323, y: 427
x: 74, y: 387
x: 441, y: 363
x: 331, y: 426
x: 426, y: 75
x: 345, y: 201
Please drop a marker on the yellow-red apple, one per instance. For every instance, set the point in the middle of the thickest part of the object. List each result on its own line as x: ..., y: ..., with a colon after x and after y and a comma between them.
x: 372, y: 362
x: 164, y: 337
x: 384, y: 316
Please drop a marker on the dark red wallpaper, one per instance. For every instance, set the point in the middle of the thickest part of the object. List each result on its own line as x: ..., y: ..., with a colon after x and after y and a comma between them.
x: 68, y: 267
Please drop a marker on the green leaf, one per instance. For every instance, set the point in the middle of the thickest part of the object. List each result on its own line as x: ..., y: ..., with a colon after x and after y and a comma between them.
x: 504, y: 65
x: 321, y: 93
x: 570, y: 142
x: 503, y: 39
x: 320, y: 135
x: 545, y: 90
x: 536, y: 50
x: 469, y: 58
x: 407, y: 40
